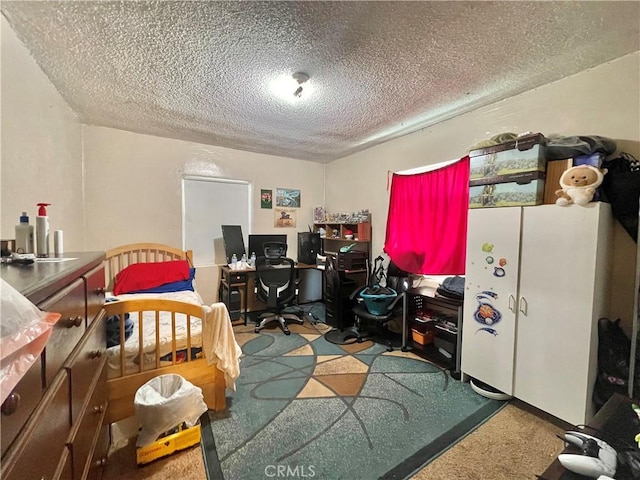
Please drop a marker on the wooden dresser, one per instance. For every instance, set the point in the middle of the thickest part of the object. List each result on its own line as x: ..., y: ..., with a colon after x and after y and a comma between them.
x: 52, y: 425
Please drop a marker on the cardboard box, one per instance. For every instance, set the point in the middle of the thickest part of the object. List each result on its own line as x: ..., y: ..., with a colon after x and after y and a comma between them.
x: 169, y: 444
x: 528, y: 190
x: 555, y: 169
x: 525, y: 154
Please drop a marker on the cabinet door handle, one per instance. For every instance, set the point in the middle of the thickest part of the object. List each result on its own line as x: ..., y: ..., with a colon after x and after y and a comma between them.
x: 11, y: 404
x: 74, y: 321
x: 100, y: 290
x: 98, y: 409
x: 512, y: 303
x: 95, y: 354
x: 524, y: 306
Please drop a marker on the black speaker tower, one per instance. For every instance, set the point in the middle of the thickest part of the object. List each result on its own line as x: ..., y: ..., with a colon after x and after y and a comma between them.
x: 308, y: 247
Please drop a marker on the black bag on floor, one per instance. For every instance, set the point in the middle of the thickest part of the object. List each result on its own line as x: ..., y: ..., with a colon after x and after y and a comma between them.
x: 614, y: 350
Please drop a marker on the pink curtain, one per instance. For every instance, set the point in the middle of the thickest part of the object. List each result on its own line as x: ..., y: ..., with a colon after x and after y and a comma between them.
x: 427, y: 221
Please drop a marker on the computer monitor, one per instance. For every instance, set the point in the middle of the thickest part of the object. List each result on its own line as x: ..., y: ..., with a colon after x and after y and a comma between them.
x: 233, y: 241
x: 256, y: 242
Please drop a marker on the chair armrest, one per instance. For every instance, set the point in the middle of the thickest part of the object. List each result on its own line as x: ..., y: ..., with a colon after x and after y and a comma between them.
x: 356, y: 293
x: 395, y: 301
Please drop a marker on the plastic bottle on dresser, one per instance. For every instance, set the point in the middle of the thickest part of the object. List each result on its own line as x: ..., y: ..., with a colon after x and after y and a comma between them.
x: 252, y: 262
x: 42, y: 231
x: 234, y: 262
x: 24, y: 235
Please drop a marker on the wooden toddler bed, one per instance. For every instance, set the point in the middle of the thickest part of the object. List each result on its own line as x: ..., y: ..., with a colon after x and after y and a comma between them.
x: 161, y: 334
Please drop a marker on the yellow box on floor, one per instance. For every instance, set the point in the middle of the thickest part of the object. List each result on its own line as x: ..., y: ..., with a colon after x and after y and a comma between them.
x: 168, y: 445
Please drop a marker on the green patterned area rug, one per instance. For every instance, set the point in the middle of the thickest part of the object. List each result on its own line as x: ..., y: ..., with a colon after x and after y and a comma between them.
x: 307, y: 408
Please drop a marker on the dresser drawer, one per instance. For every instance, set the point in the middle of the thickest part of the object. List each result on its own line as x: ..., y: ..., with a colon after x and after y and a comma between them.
x: 94, y: 283
x: 85, y: 364
x: 65, y: 467
x: 37, y: 453
x: 70, y: 303
x: 19, y: 405
x: 86, y: 432
x: 99, y: 459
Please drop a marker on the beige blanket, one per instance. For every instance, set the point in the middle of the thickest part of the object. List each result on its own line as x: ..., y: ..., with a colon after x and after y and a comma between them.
x: 219, y: 343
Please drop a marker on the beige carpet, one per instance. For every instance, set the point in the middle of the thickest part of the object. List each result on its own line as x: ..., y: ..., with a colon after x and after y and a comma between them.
x: 186, y: 464
x: 516, y: 443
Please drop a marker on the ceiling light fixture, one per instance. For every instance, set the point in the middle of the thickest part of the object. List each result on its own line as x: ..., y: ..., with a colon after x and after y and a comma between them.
x: 290, y: 87
x: 301, y: 78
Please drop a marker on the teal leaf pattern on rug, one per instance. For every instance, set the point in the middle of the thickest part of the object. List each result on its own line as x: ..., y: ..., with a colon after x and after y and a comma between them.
x: 405, y: 408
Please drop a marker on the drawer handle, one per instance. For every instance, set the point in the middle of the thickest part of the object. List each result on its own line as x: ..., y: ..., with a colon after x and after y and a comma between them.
x: 100, y: 290
x: 11, y: 404
x: 75, y: 321
x: 95, y: 354
x: 100, y: 463
x: 98, y: 409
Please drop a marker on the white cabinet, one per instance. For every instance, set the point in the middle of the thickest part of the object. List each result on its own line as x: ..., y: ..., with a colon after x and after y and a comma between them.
x: 536, y: 285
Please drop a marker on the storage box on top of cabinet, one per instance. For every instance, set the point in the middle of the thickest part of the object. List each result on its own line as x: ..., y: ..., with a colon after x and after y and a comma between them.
x: 523, y: 190
x: 524, y: 154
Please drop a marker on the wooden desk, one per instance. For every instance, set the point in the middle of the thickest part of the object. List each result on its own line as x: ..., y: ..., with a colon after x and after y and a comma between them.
x: 616, y: 419
x: 241, y: 280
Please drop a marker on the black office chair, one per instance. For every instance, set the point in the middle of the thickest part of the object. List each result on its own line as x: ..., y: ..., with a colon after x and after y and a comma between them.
x: 373, y: 325
x: 338, y: 305
x: 276, y: 285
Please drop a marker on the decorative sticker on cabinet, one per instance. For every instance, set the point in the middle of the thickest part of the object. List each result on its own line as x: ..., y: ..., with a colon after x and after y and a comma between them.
x: 489, y: 259
x: 492, y: 331
x: 486, y: 313
x: 499, y: 272
x: 487, y: 247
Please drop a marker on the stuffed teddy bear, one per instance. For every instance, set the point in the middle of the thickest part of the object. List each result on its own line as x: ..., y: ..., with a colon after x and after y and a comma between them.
x: 579, y: 185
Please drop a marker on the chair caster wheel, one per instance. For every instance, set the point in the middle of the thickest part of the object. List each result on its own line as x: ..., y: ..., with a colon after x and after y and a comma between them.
x: 359, y: 340
x: 287, y: 332
x: 257, y: 330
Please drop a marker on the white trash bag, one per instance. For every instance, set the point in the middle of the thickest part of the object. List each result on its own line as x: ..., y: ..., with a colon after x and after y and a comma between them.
x: 165, y: 402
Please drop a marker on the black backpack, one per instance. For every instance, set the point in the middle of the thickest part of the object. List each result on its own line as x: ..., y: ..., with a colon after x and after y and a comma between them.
x: 614, y: 350
x: 621, y: 188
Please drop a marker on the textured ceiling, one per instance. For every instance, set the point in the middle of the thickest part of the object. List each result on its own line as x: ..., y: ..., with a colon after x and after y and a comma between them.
x: 200, y: 71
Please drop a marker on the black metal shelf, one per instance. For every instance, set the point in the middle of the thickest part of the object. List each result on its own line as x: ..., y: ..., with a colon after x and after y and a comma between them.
x: 420, y: 300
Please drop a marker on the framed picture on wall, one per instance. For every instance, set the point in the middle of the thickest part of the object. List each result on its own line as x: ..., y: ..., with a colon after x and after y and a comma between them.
x: 284, y: 217
x: 287, y: 197
x: 266, y: 198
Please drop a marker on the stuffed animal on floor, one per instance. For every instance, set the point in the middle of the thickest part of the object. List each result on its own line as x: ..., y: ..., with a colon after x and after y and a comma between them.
x: 579, y: 185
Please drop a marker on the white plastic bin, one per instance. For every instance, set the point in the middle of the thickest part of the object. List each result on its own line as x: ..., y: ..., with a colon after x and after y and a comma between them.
x: 165, y: 402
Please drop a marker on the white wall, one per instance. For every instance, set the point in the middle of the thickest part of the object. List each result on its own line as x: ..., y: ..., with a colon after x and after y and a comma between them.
x: 133, y: 189
x: 43, y: 159
x: 602, y: 101
x: 41, y: 147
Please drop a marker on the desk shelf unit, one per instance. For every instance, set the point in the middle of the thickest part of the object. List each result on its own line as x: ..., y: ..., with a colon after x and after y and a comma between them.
x: 332, y: 242
x: 434, y: 324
